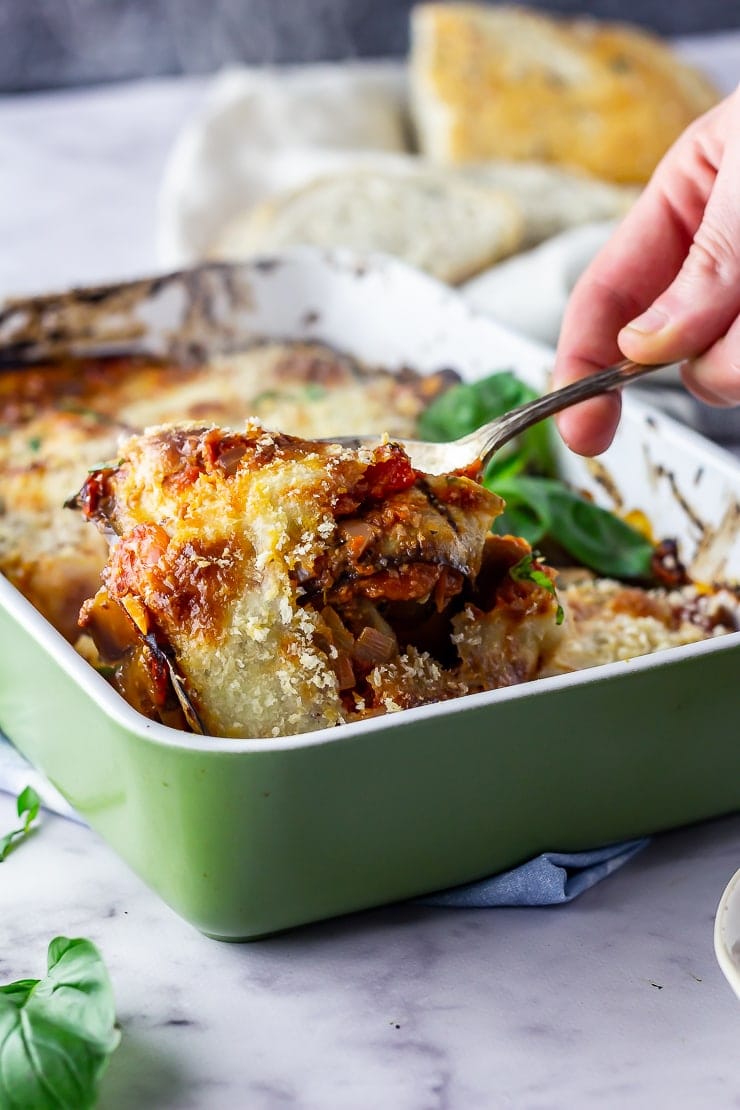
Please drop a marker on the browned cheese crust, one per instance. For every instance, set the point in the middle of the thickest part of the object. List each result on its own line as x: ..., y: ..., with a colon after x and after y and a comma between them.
x: 290, y: 585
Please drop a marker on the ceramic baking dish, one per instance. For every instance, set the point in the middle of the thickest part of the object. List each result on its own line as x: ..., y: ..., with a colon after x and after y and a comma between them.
x: 246, y: 837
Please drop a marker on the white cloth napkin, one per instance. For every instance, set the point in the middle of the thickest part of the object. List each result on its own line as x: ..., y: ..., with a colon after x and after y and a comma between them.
x: 261, y: 131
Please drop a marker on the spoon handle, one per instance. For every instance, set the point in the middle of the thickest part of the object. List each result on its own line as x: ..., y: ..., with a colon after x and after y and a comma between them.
x: 512, y: 423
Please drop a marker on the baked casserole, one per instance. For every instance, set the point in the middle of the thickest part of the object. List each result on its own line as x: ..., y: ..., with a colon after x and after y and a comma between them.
x: 244, y: 581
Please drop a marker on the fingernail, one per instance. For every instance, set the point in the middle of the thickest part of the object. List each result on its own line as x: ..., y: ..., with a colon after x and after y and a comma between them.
x: 652, y: 321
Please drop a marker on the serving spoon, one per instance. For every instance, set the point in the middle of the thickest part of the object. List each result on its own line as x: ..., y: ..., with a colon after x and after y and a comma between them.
x: 480, y: 445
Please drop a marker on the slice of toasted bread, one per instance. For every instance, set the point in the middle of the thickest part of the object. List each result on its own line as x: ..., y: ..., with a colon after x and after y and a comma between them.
x: 450, y: 227
x: 500, y: 82
x: 554, y: 199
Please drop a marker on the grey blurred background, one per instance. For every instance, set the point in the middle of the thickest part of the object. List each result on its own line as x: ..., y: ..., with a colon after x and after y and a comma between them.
x: 52, y: 43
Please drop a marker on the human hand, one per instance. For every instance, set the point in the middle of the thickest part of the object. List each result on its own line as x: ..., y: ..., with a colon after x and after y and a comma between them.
x: 666, y: 287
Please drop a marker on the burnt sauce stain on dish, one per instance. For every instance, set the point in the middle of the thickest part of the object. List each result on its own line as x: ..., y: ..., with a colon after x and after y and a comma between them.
x: 603, y: 477
x: 183, y: 315
x: 714, y: 544
x: 715, y: 547
x: 661, y: 471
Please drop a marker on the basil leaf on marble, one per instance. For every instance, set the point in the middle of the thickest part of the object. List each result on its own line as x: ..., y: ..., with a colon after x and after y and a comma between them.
x: 28, y: 804
x: 57, y: 1033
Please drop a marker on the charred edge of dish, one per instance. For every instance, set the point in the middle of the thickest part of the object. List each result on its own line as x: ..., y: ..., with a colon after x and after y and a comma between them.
x: 24, y: 352
x: 239, y: 293
x: 663, y: 472
x: 35, y: 313
x: 265, y: 265
x: 666, y: 566
x: 438, y: 506
x: 715, y: 543
x: 603, y: 478
x: 201, y: 305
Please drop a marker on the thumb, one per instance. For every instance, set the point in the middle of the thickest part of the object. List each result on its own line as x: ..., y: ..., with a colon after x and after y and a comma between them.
x: 703, y: 300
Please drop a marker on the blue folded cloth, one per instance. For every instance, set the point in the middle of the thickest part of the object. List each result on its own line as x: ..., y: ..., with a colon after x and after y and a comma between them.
x: 549, y: 879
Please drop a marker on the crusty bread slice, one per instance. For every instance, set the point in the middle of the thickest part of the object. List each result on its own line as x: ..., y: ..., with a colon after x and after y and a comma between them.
x: 448, y: 226
x: 501, y: 82
x: 554, y: 199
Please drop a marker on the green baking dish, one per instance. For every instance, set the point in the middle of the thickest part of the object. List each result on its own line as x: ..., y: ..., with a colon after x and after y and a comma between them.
x: 246, y: 837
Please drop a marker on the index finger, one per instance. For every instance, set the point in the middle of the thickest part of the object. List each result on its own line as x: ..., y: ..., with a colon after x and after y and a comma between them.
x: 636, y: 265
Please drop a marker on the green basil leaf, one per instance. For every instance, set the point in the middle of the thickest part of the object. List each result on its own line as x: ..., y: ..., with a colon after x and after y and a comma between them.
x: 527, y: 569
x: 537, y: 507
x: 597, y: 538
x: 57, y: 1033
x: 27, y: 805
x: 19, y: 990
x: 527, y: 512
x: 28, y: 802
x: 503, y: 466
x: 540, y: 508
x: 465, y: 407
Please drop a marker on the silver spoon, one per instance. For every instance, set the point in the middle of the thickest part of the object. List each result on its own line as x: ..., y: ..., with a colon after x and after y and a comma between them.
x: 480, y: 445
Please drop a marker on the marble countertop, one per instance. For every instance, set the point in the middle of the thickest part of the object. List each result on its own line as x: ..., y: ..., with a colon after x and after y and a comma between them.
x: 614, y: 1000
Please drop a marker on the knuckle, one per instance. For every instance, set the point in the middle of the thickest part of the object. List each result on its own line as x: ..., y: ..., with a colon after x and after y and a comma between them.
x: 622, y: 303
x: 717, y: 372
x: 713, y: 257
